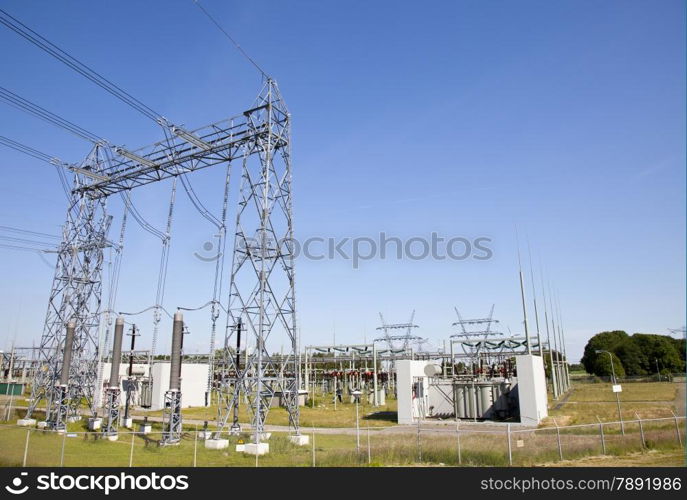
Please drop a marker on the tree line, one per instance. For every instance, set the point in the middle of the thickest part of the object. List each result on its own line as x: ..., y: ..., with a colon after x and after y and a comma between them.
x: 637, y: 354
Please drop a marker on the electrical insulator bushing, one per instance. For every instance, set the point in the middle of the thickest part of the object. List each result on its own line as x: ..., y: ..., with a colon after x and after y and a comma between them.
x: 177, y: 338
x: 116, y: 352
x: 67, y: 354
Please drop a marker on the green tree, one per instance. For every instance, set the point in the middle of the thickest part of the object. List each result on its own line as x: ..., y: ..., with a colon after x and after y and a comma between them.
x: 631, y: 356
x: 658, y: 349
x: 599, y: 364
x: 639, y: 354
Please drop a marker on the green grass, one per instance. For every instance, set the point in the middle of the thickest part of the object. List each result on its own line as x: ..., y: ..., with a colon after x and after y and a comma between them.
x: 477, y: 449
x: 322, y: 415
x: 590, y: 401
x: 641, y: 391
x: 339, y: 450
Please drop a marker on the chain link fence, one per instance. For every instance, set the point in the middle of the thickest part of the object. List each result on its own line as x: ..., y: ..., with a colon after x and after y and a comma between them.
x: 430, y: 444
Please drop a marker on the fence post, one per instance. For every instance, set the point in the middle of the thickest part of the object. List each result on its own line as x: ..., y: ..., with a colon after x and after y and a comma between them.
x: 131, y: 452
x: 460, y: 458
x: 195, y: 448
x: 313, y: 446
x: 26, y: 447
x: 357, y: 429
x: 510, y: 449
x: 369, y: 450
x: 419, y: 444
x: 641, y: 430
x: 677, y: 428
x: 64, y: 439
x: 558, y: 436
x: 9, y: 407
x: 601, y: 431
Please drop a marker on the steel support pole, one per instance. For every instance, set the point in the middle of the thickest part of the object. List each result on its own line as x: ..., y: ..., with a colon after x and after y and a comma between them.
x: 374, y: 375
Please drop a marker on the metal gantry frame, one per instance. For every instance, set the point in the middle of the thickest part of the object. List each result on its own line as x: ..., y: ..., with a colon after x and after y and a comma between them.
x: 262, y: 295
x: 262, y: 276
x: 396, y: 342
x: 361, y: 349
x: 76, y: 295
x: 479, y: 329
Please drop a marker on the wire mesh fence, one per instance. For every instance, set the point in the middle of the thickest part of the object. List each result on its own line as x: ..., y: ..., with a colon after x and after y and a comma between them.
x: 431, y: 444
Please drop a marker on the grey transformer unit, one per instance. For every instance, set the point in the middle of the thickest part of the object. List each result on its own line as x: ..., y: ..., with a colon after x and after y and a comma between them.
x: 488, y: 399
x: 172, y: 428
x: 113, y: 391
x: 58, y: 411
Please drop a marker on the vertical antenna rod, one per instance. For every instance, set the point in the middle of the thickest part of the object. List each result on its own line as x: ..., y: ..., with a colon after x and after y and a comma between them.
x: 554, y: 379
x: 534, y: 297
x: 522, y: 295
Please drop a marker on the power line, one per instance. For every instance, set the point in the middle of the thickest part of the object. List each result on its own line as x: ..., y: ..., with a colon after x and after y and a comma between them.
x: 231, y: 39
x: 27, y: 150
x: 24, y: 241
x: 34, y: 109
x: 26, y: 231
x: 61, y: 55
x: 26, y: 248
x: 17, y: 146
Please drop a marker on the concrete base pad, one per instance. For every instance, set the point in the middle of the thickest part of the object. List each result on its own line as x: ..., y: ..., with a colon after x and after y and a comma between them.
x: 205, y: 435
x: 257, y: 449
x: 265, y: 436
x: 128, y: 422
x: 216, y: 444
x: 26, y: 422
x: 73, y: 419
x: 42, y: 425
x: 94, y: 423
x: 300, y: 440
x: 112, y: 438
x: 145, y: 429
x: 241, y: 447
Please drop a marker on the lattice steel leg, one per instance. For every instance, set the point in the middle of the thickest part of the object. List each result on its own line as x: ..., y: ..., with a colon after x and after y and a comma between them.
x: 172, y: 418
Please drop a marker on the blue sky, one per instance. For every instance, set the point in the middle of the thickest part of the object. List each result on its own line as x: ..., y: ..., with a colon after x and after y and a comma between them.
x: 463, y: 118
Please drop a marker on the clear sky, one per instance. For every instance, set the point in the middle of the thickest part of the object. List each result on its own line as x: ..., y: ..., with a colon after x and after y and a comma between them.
x: 464, y: 118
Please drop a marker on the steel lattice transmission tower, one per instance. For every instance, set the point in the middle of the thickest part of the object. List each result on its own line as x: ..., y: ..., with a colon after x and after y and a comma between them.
x: 262, y: 276
x: 262, y: 299
x: 398, y: 342
x: 472, y: 331
x: 75, y: 296
x: 480, y: 328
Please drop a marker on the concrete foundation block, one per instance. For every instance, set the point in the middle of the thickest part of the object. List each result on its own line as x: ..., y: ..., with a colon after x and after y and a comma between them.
x: 257, y: 449
x: 26, y: 422
x: 42, y: 425
x: 216, y: 444
x: 301, y: 440
x: 128, y: 423
x: 265, y: 436
x: 241, y: 448
x: 145, y: 428
x: 94, y: 424
x: 205, y: 435
x: 71, y: 420
x: 112, y: 437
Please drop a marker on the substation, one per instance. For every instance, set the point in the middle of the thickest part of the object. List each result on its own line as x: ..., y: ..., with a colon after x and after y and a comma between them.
x: 88, y: 365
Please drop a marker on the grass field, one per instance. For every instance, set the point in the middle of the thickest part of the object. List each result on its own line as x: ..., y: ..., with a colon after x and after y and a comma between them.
x: 540, y: 448
x: 579, y: 446
x: 323, y: 414
x: 589, y: 402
